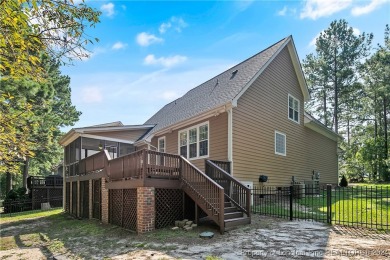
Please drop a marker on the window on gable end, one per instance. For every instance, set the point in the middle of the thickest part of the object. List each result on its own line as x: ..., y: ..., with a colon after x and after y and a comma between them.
x: 293, y: 108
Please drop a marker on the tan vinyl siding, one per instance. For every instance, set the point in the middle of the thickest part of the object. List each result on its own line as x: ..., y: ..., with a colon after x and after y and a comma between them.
x: 321, y: 156
x: 262, y: 110
x: 129, y: 135
x: 217, y: 139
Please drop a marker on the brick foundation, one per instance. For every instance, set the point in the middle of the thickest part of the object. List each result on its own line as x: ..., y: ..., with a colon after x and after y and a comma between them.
x: 145, y: 209
x: 104, y: 202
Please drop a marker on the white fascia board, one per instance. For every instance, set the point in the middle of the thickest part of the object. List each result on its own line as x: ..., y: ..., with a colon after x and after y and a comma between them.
x: 298, y: 70
x: 107, y: 138
x: 235, y: 99
x: 69, y: 137
x: 111, y: 128
x: 315, y: 126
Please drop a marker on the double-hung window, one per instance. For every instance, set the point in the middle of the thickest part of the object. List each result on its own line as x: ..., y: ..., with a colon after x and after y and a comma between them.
x: 161, y: 149
x: 293, y: 108
x: 194, y: 141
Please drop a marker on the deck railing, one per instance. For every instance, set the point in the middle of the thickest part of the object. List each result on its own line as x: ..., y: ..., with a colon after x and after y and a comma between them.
x: 224, y: 165
x: 93, y: 163
x: 235, y: 191
x: 143, y: 164
x: 207, y: 193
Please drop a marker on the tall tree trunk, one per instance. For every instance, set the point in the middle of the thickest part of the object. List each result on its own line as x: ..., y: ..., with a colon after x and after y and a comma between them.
x: 386, y: 145
x: 375, y: 135
x: 8, y: 182
x: 336, y: 94
x: 25, y: 172
x: 348, y: 133
x: 325, y: 114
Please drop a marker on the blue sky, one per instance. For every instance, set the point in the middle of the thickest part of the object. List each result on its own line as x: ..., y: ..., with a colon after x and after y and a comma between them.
x: 152, y: 52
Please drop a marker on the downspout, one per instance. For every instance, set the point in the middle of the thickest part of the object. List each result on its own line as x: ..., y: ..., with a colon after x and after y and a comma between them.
x: 230, y: 138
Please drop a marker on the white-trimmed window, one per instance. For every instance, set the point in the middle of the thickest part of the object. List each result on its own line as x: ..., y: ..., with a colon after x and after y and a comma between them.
x: 280, y: 143
x: 194, y: 141
x: 161, y: 144
x: 293, y: 108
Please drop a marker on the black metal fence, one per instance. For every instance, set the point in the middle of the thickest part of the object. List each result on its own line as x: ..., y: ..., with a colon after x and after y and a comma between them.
x: 359, y: 206
x: 12, y: 207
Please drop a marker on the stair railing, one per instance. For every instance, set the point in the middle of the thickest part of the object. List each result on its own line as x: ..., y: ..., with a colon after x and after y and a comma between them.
x: 235, y: 191
x: 206, y: 193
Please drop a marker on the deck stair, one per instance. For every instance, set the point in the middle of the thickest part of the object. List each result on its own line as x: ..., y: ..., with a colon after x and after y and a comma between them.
x: 223, y: 198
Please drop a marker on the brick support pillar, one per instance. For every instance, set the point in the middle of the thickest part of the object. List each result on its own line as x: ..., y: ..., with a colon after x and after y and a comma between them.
x: 78, y: 199
x: 145, y: 209
x: 90, y: 201
x: 104, y: 202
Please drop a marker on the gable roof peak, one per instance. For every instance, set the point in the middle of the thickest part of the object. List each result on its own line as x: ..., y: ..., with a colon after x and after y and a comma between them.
x: 223, y: 89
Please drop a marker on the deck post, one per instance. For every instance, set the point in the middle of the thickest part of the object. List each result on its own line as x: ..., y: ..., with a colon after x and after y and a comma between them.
x: 196, y: 214
x: 222, y: 210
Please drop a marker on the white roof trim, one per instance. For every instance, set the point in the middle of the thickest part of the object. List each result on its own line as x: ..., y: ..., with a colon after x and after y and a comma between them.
x: 321, y: 129
x: 296, y: 64
x: 298, y: 70
x: 111, y: 128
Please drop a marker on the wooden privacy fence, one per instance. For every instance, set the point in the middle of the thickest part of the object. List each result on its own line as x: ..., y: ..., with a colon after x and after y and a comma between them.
x: 359, y: 206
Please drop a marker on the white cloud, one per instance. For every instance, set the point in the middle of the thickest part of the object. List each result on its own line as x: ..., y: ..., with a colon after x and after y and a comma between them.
x: 177, y: 23
x: 108, y: 9
x: 315, y: 9
x: 283, y: 11
x: 164, y: 61
x: 243, y: 5
x: 91, y: 95
x: 146, y: 39
x: 356, y: 31
x: 119, y: 46
x: 313, y: 41
x: 374, y: 4
x: 170, y: 95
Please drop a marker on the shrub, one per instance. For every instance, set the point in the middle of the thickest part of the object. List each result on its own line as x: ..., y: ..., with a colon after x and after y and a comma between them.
x: 343, y: 182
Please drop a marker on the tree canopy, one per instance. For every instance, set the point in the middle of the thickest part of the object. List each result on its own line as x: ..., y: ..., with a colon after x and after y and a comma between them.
x: 30, y: 27
x: 349, y: 82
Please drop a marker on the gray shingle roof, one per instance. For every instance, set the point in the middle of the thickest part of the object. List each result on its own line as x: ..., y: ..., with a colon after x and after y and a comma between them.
x: 213, y: 93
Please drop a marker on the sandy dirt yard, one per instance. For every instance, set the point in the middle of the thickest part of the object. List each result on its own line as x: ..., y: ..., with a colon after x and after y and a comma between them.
x: 61, y: 237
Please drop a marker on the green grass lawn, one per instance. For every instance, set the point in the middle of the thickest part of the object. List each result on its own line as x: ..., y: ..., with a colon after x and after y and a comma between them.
x: 366, y: 205
x: 5, y: 218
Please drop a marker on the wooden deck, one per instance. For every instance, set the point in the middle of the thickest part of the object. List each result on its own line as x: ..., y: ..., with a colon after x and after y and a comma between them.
x: 146, y: 168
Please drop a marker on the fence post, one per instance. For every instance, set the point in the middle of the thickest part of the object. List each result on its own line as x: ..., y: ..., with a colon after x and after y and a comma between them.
x: 329, y: 204
x: 291, y: 203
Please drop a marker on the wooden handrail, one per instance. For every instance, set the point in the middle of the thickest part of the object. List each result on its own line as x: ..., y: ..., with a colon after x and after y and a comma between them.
x: 235, y: 191
x: 206, y: 193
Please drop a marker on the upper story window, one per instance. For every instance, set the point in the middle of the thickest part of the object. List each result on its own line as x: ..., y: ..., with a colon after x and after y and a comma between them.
x: 280, y: 143
x: 194, y: 141
x: 293, y: 108
x: 161, y: 144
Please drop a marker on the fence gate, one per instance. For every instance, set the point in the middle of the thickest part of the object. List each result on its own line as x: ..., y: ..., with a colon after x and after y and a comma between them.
x: 96, y: 199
